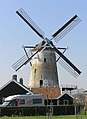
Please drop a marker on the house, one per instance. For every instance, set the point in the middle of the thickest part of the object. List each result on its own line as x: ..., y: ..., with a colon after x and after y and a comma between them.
x: 65, y: 99
x: 13, y: 87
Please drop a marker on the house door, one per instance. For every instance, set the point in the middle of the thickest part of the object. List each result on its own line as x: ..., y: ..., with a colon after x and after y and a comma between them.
x: 41, y: 83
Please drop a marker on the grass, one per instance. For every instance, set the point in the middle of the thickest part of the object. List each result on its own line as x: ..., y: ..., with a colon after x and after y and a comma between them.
x: 45, y: 117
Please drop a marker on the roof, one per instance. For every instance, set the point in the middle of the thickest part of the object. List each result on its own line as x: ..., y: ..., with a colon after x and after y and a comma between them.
x: 48, y: 92
x: 65, y: 94
x: 13, y: 87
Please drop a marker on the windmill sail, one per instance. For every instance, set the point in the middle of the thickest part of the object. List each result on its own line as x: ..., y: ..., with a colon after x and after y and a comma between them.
x: 68, y: 68
x: 59, y: 34
x: 58, y: 57
x: 30, y: 22
x: 24, y: 60
x: 67, y: 63
x: 17, y: 65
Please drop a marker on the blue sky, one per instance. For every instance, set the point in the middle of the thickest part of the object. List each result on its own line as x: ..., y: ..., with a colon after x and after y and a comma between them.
x: 49, y: 15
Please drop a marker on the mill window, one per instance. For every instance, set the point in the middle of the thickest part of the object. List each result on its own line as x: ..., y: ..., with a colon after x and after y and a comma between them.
x: 35, y: 71
x: 44, y: 59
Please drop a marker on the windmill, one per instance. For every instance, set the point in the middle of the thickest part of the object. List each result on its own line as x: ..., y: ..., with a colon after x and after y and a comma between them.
x: 43, y: 55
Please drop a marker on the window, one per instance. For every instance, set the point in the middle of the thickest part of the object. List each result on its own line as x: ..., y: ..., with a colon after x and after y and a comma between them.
x: 44, y: 59
x: 35, y: 71
x: 22, y: 101
x: 45, y: 82
x: 57, y: 102
x: 13, y: 103
x: 66, y: 102
x: 37, y: 101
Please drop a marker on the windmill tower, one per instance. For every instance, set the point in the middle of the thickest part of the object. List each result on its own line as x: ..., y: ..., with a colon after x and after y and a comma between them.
x: 44, y: 69
x: 43, y: 56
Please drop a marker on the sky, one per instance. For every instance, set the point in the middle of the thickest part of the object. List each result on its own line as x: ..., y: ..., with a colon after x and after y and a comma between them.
x: 50, y: 15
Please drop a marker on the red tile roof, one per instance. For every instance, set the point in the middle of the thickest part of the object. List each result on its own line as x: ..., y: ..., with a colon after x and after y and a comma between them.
x: 48, y: 92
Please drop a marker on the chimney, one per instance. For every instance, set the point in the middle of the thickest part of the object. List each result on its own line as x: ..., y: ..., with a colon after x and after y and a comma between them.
x: 14, y: 77
x: 21, y: 81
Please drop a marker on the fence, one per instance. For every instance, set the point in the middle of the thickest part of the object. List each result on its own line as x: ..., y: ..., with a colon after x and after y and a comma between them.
x: 42, y: 111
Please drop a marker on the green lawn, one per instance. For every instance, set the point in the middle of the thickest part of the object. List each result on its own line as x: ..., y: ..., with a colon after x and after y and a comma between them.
x: 45, y: 117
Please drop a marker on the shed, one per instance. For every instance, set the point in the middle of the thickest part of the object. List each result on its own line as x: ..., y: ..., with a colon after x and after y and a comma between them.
x: 65, y: 99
